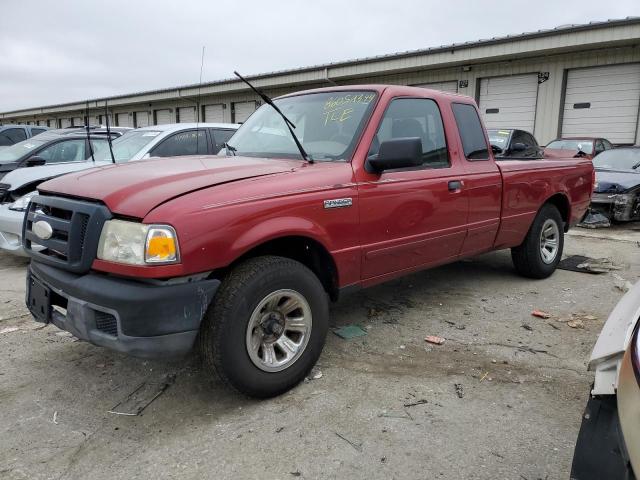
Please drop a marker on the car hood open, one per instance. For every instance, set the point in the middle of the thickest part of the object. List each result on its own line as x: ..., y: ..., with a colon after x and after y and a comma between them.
x: 134, y: 189
x: 609, y: 181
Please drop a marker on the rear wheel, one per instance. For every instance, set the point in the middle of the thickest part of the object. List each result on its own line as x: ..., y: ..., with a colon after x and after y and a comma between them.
x: 539, y: 254
x: 266, y: 327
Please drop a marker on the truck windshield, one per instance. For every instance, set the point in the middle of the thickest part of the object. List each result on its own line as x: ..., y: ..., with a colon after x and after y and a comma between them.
x: 126, y: 146
x: 328, y: 126
x: 585, y: 146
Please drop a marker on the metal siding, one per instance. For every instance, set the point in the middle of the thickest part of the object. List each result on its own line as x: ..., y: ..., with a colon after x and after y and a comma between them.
x: 242, y: 111
x: 613, y: 93
x: 163, y: 116
x: 213, y: 113
x: 77, y: 122
x: 142, y: 119
x: 124, y: 120
x: 65, y: 122
x: 187, y: 114
x: 515, y: 99
x: 451, y: 86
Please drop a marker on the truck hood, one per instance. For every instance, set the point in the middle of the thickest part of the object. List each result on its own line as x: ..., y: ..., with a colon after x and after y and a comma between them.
x: 610, y: 181
x: 134, y: 189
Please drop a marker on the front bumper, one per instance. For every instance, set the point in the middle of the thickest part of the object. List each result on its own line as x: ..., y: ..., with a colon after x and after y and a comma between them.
x: 11, y: 230
x: 139, y: 319
x: 622, y: 207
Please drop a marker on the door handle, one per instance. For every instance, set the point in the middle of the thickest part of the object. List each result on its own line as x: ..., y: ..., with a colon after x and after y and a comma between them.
x: 455, y: 185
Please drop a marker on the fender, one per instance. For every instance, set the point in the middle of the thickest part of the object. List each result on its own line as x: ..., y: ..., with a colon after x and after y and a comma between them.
x: 613, y: 342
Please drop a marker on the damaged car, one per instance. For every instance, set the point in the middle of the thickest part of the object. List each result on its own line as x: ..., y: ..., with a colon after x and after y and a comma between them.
x: 617, y: 189
x: 608, y: 444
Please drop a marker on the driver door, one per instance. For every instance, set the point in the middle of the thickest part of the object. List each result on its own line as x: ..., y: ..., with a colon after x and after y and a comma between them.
x: 417, y: 217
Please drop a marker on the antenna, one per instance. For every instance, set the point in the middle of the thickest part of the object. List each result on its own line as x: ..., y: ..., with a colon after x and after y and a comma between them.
x: 86, y: 124
x: 106, y: 116
x: 198, y: 102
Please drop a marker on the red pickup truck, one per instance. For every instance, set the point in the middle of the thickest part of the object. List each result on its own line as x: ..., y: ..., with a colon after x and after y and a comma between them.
x: 240, y: 252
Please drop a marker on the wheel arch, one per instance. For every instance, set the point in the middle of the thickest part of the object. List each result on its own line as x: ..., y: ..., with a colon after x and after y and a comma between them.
x: 562, y: 203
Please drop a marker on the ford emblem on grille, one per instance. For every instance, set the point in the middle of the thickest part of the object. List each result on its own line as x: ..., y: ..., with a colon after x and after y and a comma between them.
x: 42, y: 230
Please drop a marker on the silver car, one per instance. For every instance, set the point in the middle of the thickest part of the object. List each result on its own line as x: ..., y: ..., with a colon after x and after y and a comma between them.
x: 172, y: 140
x: 608, y: 444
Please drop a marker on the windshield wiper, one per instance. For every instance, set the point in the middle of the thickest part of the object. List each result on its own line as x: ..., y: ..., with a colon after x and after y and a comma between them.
x: 230, y: 148
x: 287, y: 122
x: 636, y: 166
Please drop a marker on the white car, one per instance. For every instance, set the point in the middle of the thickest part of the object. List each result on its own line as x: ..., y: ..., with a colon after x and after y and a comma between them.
x: 608, y: 444
x: 172, y: 140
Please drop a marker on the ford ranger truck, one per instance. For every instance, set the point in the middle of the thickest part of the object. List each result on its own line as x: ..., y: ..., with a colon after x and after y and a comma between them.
x: 240, y: 253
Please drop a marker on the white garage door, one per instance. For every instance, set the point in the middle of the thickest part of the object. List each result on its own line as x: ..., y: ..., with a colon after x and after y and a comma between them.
x: 451, y: 86
x: 602, y: 102
x: 509, y: 102
x: 124, y: 120
x: 77, y: 122
x: 65, y: 122
x: 187, y: 114
x: 142, y: 119
x: 214, y: 113
x: 163, y: 117
x: 242, y: 110
x: 103, y: 120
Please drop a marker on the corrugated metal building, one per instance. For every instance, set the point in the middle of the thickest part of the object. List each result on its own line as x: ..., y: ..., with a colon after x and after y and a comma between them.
x: 570, y: 80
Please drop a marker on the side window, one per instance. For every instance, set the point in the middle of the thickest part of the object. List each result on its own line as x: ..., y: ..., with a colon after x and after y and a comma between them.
x: 37, y: 131
x: 11, y: 136
x: 474, y: 142
x: 607, y: 144
x: 191, y: 142
x: 98, y: 145
x: 415, y: 117
x: 520, y: 137
x: 599, y: 146
x: 220, y: 137
x: 530, y: 140
x: 65, y: 151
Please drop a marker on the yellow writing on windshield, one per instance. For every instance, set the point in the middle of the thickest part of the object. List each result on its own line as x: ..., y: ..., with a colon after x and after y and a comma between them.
x: 338, y: 109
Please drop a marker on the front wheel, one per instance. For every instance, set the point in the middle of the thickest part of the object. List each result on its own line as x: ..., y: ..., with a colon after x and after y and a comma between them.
x: 539, y: 254
x: 267, y: 326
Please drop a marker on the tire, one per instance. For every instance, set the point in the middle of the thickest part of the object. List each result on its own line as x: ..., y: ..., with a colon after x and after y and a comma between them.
x: 528, y: 258
x: 248, y: 293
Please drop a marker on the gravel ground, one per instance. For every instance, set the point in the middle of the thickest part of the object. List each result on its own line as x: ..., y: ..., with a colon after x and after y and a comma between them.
x: 501, y: 398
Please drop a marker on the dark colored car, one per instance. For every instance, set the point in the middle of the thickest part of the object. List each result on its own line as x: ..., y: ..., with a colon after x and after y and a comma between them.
x: 53, y: 146
x: 585, y: 147
x: 617, y: 189
x: 12, y: 134
x: 513, y: 143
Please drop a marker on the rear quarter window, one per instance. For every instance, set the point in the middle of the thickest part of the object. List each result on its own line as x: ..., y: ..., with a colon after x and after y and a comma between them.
x: 471, y: 132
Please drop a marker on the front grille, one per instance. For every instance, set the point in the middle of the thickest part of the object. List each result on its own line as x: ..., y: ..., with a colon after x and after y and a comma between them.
x: 73, y: 230
x: 105, y: 322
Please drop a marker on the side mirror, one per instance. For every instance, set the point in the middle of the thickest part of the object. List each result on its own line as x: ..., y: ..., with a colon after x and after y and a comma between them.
x: 396, y: 153
x: 496, y: 149
x: 35, y: 161
x: 518, y: 147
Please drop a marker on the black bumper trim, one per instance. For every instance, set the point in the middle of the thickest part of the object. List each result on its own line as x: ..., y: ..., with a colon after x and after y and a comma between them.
x: 152, y: 320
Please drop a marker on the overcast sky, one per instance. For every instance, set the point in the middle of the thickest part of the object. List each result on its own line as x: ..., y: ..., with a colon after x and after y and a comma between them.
x: 68, y: 50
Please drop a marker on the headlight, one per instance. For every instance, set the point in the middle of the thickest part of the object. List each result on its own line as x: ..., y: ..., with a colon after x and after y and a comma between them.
x: 137, y: 244
x: 21, y: 204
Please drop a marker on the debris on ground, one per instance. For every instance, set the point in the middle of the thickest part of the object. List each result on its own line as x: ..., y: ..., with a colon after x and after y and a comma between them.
x: 594, y: 220
x: 459, y: 390
x: 348, y: 332
x: 422, y: 401
x: 55, y: 417
x: 621, y: 283
x: 575, y: 323
x: 356, y: 446
x: 579, y: 263
x: 316, y: 374
x: 484, y: 376
x: 296, y: 473
x: 540, y: 314
x: 8, y: 330
x: 434, y: 339
x: 527, y: 327
x: 141, y: 397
